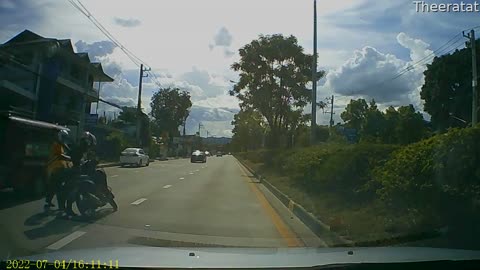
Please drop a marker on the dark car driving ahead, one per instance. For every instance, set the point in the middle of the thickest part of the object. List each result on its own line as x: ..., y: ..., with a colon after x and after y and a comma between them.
x: 198, y: 156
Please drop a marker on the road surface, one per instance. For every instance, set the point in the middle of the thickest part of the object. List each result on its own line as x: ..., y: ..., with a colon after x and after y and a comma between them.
x: 168, y: 204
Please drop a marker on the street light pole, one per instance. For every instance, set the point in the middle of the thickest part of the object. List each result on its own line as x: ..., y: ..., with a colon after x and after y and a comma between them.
x: 314, y: 76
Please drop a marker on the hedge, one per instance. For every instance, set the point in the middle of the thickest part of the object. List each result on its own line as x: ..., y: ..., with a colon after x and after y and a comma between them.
x: 438, y: 177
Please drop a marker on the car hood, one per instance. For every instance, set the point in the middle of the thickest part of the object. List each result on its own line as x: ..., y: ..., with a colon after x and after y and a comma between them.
x: 255, y: 257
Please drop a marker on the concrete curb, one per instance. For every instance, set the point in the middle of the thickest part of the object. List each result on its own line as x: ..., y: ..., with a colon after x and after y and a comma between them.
x: 317, y: 226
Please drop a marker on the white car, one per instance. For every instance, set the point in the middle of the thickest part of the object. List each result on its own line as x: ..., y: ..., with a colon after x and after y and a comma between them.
x: 134, y: 156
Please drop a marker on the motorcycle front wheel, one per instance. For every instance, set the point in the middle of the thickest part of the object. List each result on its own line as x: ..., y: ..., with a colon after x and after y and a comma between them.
x: 84, y: 205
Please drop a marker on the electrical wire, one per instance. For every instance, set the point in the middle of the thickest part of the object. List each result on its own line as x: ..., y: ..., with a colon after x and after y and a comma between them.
x: 135, y: 59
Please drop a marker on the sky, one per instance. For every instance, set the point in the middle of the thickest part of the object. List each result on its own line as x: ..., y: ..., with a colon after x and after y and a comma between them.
x: 191, y: 44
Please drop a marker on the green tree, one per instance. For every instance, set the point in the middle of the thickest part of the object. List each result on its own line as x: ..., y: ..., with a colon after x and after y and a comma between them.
x: 402, y: 126
x: 170, y: 108
x: 274, y: 72
x: 410, y: 127
x: 128, y: 115
x: 373, y: 126
x: 447, y: 89
x: 355, y: 113
x: 248, y: 131
x: 391, y: 117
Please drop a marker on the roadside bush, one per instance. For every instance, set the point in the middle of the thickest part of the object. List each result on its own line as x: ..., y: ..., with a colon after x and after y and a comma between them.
x: 350, y: 168
x: 301, y: 163
x: 438, y: 177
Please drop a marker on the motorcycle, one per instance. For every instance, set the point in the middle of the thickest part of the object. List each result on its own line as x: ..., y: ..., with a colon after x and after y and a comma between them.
x: 91, y: 190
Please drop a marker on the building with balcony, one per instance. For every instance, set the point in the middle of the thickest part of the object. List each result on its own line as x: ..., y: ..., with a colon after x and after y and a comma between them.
x: 44, y: 79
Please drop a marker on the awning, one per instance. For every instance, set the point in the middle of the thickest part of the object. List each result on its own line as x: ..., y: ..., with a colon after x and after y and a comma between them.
x: 35, y: 123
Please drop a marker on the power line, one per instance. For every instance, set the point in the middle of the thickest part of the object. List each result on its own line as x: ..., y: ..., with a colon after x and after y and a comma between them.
x: 135, y: 59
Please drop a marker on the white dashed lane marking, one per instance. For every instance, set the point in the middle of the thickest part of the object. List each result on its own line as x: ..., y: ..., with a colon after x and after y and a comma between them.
x: 181, y: 178
x: 66, y: 240
x: 139, y: 201
x: 116, y: 175
x: 167, y: 186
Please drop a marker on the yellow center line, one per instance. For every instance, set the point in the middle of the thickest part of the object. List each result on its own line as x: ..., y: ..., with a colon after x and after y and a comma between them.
x: 289, y: 236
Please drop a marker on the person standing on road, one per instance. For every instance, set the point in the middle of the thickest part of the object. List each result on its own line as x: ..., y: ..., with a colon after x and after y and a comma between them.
x: 56, y: 167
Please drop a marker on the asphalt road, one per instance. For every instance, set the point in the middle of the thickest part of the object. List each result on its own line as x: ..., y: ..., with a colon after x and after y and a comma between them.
x: 168, y: 204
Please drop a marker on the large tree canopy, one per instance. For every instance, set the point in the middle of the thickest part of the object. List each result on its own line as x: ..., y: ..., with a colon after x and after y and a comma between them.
x: 274, y: 72
x: 170, y: 108
x: 447, y: 91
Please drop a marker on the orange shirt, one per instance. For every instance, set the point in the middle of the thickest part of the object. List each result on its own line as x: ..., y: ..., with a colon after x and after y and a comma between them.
x: 55, y: 162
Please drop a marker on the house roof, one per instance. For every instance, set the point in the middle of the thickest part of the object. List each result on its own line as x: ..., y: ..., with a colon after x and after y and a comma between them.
x: 28, y: 37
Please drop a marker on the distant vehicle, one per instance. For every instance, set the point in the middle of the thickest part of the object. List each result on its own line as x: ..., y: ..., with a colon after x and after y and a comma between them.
x: 134, y: 156
x: 208, y: 154
x: 198, y: 156
x: 219, y: 153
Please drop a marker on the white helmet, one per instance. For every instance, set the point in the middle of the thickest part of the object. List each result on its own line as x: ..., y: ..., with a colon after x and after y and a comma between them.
x: 62, y: 136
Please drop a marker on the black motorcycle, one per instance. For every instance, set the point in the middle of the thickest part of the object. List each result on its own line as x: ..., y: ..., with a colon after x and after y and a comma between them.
x: 91, y: 190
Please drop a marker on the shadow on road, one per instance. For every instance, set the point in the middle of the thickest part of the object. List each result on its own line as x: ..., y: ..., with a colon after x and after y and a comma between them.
x: 55, y: 222
x: 9, y: 198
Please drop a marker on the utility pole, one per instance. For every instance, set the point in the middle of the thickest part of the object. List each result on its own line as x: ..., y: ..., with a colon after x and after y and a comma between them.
x: 184, y: 124
x: 314, y: 76
x: 139, y: 104
x: 331, y: 112
x: 471, y: 36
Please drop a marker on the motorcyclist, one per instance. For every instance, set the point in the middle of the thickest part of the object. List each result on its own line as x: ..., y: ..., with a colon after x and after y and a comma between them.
x: 84, y: 149
x: 56, y: 168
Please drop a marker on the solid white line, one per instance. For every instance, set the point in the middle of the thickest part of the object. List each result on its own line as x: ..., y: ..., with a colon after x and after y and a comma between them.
x: 167, y: 186
x: 139, y: 201
x: 114, y: 176
x: 181, y: 178
x: 191, y: 173
x: 197, y: 170
x: 135, y: 171
x: 66, y: 240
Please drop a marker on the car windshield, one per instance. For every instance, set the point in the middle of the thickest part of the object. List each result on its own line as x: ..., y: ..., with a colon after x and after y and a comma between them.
x: 327, y: 123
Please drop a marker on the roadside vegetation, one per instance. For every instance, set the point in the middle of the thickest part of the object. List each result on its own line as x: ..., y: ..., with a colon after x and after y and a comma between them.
x: 380, y: 175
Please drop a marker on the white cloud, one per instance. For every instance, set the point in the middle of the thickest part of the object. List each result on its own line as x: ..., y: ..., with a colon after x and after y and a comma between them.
x: 418, y: 48
x: 222, y: 101
x: 374, y: 75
